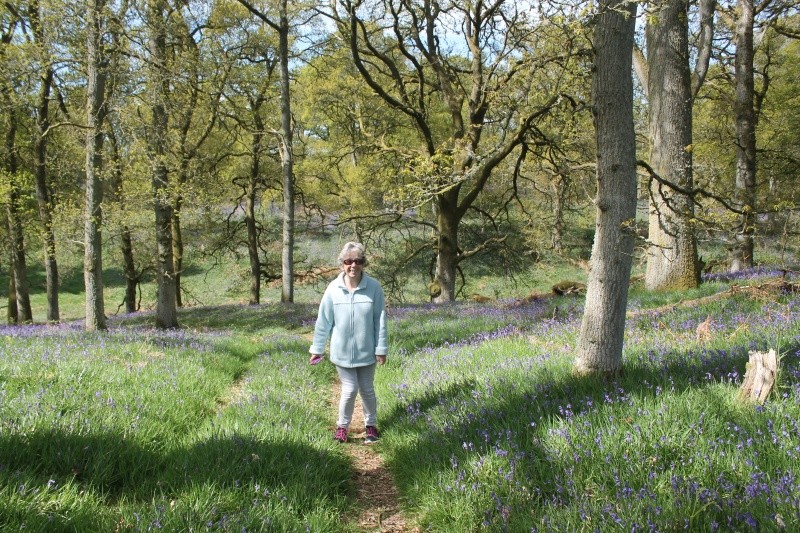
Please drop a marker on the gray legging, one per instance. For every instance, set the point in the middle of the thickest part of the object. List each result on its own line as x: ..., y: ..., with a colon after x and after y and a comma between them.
x: 354, y: 381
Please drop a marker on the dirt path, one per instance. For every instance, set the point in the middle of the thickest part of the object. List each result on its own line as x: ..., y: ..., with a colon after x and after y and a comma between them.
x: 377, y: 500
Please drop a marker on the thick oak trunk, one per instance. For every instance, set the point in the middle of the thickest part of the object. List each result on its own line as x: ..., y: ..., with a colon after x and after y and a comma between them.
x: 672, y: 252
x: 447, y: 256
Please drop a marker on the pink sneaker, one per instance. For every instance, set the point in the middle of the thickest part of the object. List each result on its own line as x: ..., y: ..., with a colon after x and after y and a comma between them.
x: 372, y: 435
x: 340, y: 434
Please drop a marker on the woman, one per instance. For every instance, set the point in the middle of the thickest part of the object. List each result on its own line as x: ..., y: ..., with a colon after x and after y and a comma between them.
x: 353, y: 313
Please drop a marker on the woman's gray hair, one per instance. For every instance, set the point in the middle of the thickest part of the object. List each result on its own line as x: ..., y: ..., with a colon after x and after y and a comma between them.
x: 350, y: 247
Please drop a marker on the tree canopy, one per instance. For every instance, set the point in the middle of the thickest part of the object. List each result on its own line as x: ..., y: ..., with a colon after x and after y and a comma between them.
x: 442, y: 134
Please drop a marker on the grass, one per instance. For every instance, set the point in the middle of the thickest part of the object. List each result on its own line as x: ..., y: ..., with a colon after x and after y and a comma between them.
x: 497, y: 433
x: 138, y: 429
x: 222, y: 425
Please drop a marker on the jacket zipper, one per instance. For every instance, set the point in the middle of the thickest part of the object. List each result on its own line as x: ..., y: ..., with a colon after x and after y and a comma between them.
x: 352, y: 328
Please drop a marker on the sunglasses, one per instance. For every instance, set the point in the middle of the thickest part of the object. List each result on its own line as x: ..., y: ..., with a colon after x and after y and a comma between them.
x: 349, y: 262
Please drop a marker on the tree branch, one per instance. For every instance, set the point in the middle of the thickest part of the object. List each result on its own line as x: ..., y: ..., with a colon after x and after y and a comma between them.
x: 258, y: 13
x: 704, y: 44
x: 690, y: 193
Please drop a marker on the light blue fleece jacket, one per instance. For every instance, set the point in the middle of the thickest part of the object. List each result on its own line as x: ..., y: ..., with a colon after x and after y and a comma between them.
x: 355, y: 322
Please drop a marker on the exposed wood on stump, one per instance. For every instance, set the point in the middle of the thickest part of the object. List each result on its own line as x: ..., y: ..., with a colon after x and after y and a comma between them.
x: 759, y: 378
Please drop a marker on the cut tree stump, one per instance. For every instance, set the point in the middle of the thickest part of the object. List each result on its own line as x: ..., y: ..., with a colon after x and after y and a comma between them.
x: 759, y: 376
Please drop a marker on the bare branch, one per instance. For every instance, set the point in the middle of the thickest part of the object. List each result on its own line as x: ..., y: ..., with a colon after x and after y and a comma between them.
x: 690, y: 193
x: 704, y: 44
x: 258, y: 13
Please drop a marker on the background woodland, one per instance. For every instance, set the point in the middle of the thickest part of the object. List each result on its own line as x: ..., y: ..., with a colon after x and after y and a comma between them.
x: 456, y: 140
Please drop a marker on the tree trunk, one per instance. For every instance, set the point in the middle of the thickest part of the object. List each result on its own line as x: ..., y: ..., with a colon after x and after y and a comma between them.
x: 447, y: 256
x: 45, y: 215
x: 559, y: 186
x: 177, y: 247
x: 126, y: 236
x: 95, y: 116
x: 19, y: 270
x: 43, y: 196
x: 251, y: 198
x: 745, y: 183
x: 166, y: 306
x: 129, y: 268
x: 115, y: 186
x: 19, y: 264
x: 603, y: 325
x: 183, y: 177
x: 187, y: 150
x: 287, y: 160
x: 12, y: 314
x: 672, y: 261
x: 286, y: 151
x: 252, y: 245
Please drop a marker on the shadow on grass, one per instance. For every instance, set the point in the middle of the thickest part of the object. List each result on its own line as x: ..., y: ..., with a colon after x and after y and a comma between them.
x: 115, y: 474
x: 487, y: 422
x: 237, y: 317
x: 71, y: 279
x: 117, y: 469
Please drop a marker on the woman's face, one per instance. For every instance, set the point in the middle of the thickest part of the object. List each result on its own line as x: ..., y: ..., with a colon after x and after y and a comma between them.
x: 354, y: 269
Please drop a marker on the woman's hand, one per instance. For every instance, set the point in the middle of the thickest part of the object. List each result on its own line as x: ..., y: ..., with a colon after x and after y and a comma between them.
x: 381, y: 359
x: 315, y: 358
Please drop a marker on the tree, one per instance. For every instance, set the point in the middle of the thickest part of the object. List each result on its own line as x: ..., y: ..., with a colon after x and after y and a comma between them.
x: 603, y: 324
x: 96, y: 110
x: 116, y: 189
x: 741, y: 253
x: 731, y: 143
x: 282, y: 28
x: 255, y: 184
x: 252, y: 193
x: 194, y: 122
x: 158, y: 88
x: 455, y: 94
x: 115, y: 201
x: 348, y: 133
x: 43, y: 66
x: 247, y: 105
x: 778, y: 60
x: 672, y: 260
x: 19, y: 305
